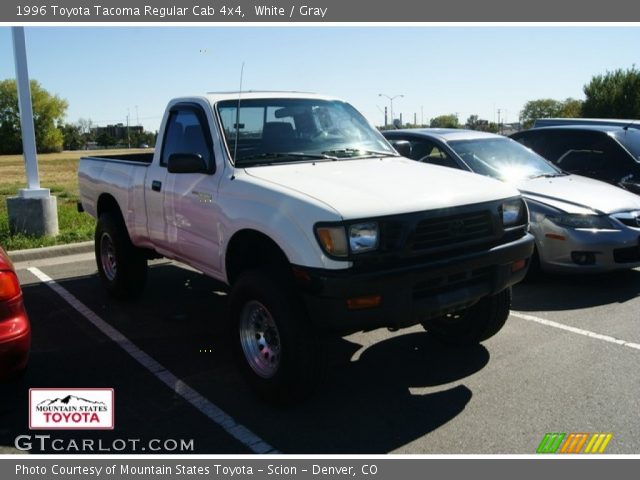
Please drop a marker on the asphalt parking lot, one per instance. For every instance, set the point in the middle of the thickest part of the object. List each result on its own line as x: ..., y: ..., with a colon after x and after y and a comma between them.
x: 566, y: 361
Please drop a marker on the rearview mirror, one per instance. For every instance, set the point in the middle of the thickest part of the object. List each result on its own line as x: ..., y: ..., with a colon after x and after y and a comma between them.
x: 403, y: 147
x: 186, y: 163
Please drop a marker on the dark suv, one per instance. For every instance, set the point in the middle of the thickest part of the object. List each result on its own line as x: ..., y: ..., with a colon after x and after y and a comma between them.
x: 604, y: 152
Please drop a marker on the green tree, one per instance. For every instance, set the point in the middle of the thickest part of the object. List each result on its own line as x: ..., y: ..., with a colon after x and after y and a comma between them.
x: 106, y: 140
x: 613, y: 95
x: 473, y: 122
x: 72, y: 136
x: 549, y: 108
x: 571, y: 108
x: 143, y: 138
x: 88, y: 132
x: 48, y: 111
x: 445, y: 121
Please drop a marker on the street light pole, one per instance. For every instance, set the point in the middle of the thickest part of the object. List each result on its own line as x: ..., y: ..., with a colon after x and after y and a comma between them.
x: 33, y: 211
x: 391, y: 99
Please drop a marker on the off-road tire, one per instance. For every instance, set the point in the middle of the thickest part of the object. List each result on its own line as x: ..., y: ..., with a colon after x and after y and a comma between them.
x: 282, y: 365
x: 122, y: 267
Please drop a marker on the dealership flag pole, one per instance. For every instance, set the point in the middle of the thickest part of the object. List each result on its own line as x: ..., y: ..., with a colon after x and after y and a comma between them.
x: 34, y: 210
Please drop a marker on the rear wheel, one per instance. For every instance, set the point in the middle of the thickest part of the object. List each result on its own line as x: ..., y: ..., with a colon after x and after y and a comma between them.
x: 122, y: 267
x: 278, y: 352
x: 474, y: 324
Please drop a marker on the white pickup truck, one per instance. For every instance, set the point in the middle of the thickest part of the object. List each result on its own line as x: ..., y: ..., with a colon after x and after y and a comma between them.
x: 315, y: 222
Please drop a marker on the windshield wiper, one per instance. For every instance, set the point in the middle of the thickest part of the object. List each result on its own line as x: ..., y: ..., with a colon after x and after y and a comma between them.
x: 282, y: 155
x: 549, y: 175
x: 359, y: 153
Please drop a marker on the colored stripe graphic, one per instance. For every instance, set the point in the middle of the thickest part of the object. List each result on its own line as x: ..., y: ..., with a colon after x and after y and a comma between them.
x: 550, y: 443
x: 574, y: 442
x: 598, y: 443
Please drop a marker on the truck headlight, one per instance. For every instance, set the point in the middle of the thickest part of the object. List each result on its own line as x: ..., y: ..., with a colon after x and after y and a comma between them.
x: 514, y: 212
x: 333, y: 240
x: 572, y: 220
x: 363, y: 237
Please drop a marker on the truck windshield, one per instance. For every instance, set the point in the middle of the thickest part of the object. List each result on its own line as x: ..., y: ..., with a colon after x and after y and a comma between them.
x: 284, y: 130
x: 503, y: 158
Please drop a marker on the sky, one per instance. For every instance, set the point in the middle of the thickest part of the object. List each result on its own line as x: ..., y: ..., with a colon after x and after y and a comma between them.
x: 106, y: 73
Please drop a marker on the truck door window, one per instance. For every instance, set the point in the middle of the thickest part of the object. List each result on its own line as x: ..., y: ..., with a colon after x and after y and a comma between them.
x: 185, y: 134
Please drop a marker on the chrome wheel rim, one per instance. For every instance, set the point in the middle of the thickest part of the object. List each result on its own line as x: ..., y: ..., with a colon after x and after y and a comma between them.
x: 108, y: 257
x: 260, y: 339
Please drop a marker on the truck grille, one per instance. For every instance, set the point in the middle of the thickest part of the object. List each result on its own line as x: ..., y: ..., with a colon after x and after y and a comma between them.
x: 440, y: 285
x: 446, y: 231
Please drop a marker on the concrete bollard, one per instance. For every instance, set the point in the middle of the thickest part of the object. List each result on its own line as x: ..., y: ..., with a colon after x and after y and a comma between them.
x: 33, y: 216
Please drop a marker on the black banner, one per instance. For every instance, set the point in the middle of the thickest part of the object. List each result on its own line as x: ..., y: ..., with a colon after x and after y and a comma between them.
x: 317, y: 11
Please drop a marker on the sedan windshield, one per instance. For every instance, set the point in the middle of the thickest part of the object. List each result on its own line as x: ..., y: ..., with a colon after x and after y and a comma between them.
x: 285, y: 130
x: 503, y: 158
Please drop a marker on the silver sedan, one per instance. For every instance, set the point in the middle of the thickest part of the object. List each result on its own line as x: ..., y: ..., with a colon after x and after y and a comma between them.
x: 579, y: 224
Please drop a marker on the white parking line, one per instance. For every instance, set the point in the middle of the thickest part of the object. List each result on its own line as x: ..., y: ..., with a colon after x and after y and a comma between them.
x: 579, y: 331
x: 218, y: 416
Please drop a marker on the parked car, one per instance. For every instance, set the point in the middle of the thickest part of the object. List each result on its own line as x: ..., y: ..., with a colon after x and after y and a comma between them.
x: 604, y: 152
x: 15, y: 331
x: 618, y: 122
x: 580, y: 224
x: 315, y: 222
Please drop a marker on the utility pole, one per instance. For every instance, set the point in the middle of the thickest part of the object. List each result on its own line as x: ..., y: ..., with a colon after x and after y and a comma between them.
x: 128, y: 137
x: 137, y: 117
x: 499, y: 124
x: 421, y: 115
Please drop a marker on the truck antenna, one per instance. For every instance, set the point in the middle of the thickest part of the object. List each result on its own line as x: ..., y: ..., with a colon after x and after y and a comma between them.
x: 235, y: 146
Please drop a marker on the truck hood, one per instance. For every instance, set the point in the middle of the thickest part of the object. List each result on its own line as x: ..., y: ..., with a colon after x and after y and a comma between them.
x: 363, y: 188
x: 575, y: 194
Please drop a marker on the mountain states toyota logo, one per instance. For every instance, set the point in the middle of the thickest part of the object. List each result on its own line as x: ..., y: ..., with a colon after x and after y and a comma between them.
x: 71, y: 409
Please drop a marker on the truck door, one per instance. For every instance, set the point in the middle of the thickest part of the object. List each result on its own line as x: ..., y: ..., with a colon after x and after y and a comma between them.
x: 189, y: 209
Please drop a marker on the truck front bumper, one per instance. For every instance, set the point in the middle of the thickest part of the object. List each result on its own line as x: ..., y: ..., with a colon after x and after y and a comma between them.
x: 349, y: 301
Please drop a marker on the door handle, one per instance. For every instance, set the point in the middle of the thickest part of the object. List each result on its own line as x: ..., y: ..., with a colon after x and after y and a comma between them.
x: 156, y: 185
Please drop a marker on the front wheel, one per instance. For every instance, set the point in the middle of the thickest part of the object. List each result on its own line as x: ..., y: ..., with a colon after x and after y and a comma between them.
x: 278, y: 352
x: 474, y: 324
x: 122, y: 268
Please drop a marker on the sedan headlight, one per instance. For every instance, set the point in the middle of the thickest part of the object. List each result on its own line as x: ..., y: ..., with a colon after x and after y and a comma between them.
x: 363, y: 237
x: 514, y: 213
x: 572, y: 220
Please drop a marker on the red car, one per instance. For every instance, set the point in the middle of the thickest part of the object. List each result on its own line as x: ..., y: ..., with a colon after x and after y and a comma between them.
x: 15, y: 331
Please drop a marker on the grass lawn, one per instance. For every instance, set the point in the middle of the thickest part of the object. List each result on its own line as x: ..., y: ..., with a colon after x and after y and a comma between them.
x: 58, y: 172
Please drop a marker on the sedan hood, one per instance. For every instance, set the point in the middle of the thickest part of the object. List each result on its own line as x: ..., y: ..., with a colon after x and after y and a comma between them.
x: 383, y: 186
x: 576, y: 194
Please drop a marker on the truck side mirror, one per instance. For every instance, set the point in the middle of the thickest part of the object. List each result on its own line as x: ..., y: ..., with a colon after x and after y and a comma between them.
x: 186, y: 163
x: 403, y: 147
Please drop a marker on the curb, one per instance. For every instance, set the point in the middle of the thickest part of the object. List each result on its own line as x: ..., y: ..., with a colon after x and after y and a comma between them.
x: 49, y: 252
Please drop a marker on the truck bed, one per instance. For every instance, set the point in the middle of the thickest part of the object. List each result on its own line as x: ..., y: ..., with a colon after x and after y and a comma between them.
x: 138, y: 158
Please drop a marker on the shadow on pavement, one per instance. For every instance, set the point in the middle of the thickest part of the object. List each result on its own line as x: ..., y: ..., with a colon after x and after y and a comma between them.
x: 398, y: 390
x: 572, y: 292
